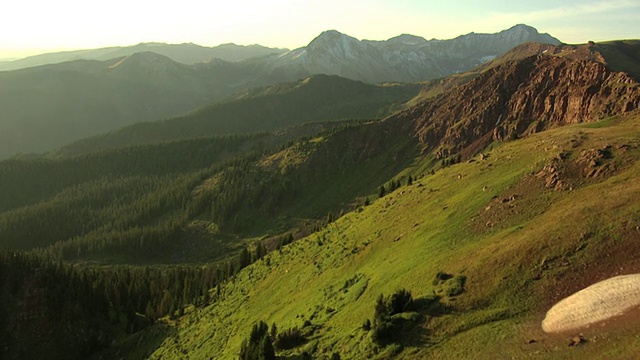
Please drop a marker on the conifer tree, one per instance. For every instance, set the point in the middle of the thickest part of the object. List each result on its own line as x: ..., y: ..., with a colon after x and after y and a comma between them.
x: 259, y: 345
x: 244, y: 259
x: 261, y: 251
x: 382, y: 191
x: 329, y: 218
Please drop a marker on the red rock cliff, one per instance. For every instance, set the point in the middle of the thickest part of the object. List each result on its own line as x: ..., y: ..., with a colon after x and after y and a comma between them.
x: 518, y: 98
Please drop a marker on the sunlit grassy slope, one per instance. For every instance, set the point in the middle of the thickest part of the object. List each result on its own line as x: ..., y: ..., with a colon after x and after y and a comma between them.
x: 521, y: 245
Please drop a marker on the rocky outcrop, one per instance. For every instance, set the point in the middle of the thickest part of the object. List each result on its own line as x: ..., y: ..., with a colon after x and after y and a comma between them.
x: 521, y: 97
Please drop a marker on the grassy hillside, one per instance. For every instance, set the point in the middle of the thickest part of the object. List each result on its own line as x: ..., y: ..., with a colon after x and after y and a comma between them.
x: 527, y: 223
x: 313, y: 99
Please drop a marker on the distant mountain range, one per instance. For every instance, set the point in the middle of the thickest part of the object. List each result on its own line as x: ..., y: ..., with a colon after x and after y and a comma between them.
x: 45, y: 107
x: 404, y: 58
x: 182, y: 53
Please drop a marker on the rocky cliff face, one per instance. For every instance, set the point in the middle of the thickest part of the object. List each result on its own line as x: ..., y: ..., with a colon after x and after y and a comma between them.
x: 521, y: 97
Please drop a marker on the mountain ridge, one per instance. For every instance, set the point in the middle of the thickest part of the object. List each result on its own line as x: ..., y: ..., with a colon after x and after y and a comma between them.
x: 317, y: 98
x: 521, y: 97
x: 186, y: 53
x: 110, y: 97
x: 393, y: 60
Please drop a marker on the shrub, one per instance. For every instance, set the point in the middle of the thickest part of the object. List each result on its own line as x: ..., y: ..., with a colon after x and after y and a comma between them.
x: 366, y: 326
x: 289, y: 339
x: 457, y: 287
x: 400, y: 301
x: 383, y: 331
x: 384, y: 326
x: 441, y: 276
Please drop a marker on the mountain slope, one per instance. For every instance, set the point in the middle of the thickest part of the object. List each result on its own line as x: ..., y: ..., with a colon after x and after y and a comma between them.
x: 313, y: 99
x: 45, y: 107
x: 198, y: 199
x: 182, y: 53
x: 518, y: 255
x: 520, y: 97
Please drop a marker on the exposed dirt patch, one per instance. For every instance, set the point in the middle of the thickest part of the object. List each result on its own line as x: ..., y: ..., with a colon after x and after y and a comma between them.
x: 613, y: 258
x: 517, y: 204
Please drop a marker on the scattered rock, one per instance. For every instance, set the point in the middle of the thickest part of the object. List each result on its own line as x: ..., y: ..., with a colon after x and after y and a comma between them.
x: 551, y: 176
x: 595, y: 162
x: 577, y: 340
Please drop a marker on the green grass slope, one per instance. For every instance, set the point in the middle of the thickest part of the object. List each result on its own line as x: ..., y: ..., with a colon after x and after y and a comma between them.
x: 527, y: 224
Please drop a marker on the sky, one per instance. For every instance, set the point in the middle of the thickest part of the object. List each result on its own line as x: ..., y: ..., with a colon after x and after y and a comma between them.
x: 28, y: 27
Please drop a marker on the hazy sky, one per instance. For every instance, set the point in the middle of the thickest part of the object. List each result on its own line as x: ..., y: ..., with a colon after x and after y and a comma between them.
x: 28, y: 27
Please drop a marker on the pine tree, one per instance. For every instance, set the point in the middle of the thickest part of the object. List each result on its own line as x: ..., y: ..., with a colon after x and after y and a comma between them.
x: 261, y: 251
x: 329, y: 218
x: 259, y: 345
x: 244, y: 259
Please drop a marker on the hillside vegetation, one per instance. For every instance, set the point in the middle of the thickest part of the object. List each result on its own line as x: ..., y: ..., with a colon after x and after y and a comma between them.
x: 322, y: 231
x: 194, y: 200
x: 521, y: 241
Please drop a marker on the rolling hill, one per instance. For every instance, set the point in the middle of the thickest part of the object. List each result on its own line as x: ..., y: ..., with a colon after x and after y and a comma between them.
x: 317, y: 98
x: 46, y: 107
